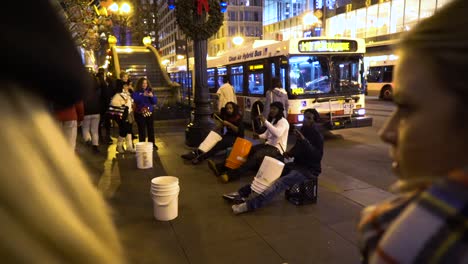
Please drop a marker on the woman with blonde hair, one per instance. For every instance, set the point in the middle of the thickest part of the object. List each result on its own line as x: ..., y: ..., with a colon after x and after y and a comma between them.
x: 426, y: 222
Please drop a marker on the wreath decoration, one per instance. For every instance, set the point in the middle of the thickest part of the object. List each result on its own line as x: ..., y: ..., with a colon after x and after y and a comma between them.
x: 185, y: 12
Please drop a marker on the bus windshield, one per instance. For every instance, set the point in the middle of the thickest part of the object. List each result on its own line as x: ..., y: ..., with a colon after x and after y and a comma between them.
x: 315, y: 75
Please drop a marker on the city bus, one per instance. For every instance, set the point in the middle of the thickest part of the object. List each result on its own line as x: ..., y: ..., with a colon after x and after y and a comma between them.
x: 318, y: 72
x: 379, y: 78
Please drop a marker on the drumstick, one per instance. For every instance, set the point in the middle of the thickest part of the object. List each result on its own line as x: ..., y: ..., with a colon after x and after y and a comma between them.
x: 253, y: 126
x: 219, y: 118
x: 258, y: 109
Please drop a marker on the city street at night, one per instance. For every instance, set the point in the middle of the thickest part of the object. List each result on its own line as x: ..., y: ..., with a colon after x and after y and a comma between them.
x: 356, y: 172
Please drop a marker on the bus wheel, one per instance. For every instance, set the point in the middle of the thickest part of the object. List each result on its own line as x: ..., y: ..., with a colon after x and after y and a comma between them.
x: 387, y: 93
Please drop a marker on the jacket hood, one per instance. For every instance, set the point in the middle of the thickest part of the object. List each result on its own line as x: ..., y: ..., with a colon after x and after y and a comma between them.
x: 280, y: 92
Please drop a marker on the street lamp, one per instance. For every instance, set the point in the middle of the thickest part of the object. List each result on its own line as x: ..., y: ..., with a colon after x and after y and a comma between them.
x: 121, y: 13
x: 238, y: 40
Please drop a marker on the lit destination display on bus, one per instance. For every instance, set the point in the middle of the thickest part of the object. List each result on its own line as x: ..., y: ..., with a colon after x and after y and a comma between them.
x: 338, y: 45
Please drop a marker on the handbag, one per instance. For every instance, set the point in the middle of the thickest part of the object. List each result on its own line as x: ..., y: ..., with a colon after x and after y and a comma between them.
x: 145, y: 111
x: 117, y: 112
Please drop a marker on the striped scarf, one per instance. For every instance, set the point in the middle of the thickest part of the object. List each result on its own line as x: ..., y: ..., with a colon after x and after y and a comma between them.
x: 424, y: 226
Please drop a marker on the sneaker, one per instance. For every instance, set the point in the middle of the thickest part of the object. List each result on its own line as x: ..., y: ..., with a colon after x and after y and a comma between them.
x: 239, y: 208
x: 189, y: 156
x: 224, y: 178
x: 195, y: 161
x: 213, y: 167
x: 234, y: 197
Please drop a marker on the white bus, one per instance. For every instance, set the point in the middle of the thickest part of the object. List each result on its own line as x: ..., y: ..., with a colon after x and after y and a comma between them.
x: 321, y: 73
x: 379, y: 79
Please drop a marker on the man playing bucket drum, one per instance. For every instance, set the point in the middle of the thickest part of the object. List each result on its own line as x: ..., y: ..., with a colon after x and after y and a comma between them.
x: 230, y: 119
x: 307, y: 154
x: 276, y: 137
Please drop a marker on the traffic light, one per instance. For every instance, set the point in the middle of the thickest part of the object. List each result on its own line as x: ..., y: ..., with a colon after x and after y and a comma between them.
x: 171, y: 4
x: 223, y: 5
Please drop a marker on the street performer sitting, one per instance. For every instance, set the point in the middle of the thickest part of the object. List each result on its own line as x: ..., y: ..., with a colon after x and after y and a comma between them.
x: 276, y: 135
x: 307, y: 154
x: 230, y: 121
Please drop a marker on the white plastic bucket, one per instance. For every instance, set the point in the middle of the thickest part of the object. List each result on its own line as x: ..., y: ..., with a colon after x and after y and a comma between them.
x: 144, y: 159
x: 143, y: 145
x: 256, y: 189
x: 210, y: 141
x: 165, y: 207
x: 269, y: 171
x: 165, y: 194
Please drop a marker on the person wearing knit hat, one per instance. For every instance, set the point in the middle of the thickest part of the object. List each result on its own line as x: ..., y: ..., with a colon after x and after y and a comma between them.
x: 276, y: 139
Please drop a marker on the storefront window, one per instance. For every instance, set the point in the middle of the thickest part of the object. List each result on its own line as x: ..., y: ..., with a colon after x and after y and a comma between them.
x: 371, y: 21
x: 341, y: 26
x: 427, y: 8
x: 384, y: 19
x: 396, y: 16
x: 331, y: 26
x: 361, y: 23
x: 350, y: 24
x: 411, y: 13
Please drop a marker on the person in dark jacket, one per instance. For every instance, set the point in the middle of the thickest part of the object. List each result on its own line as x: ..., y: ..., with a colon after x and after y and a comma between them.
x: 92, y: 109
x: 105, y: 96
x: 232, y: 121
x: 307, y: 154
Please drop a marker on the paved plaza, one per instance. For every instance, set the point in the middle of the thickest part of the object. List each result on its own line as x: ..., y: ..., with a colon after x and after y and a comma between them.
x: 206, y: 231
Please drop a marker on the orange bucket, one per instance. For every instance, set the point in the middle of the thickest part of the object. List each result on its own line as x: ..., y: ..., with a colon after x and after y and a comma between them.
x: 240, y: 151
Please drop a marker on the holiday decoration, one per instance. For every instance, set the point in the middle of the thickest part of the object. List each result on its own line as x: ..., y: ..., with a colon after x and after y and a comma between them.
x: 187, y: 9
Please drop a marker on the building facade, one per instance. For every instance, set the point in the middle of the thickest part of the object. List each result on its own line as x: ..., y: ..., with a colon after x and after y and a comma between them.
x: 379, y: 22
x: 243, y: 18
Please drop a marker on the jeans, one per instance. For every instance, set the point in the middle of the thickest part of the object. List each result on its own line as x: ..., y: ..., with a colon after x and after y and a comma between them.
x: 283, y: 183
x: 90, y: 128
x: 255, y: 159
x: 145, y: 124
x: 124, y: 127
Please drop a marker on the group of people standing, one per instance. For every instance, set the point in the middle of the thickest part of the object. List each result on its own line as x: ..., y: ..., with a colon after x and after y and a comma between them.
x: 307, y: 152
x: 92, y: 112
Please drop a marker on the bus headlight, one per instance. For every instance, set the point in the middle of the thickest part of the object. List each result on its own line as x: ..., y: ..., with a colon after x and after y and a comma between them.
x: 361, y: 111
x: 300, y: 118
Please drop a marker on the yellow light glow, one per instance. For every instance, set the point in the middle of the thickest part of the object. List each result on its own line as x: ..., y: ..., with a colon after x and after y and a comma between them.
x: 114, y: 7
x: 165, y: 62
x: 309, y: 19
x: 147, y: 40
x: 125, y: 8
x: 179, y: 57
x: 112, y: 39
x: 238, y: 40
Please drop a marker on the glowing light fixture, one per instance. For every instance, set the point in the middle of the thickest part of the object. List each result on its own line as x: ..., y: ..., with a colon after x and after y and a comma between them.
x: 147, y: 41
x: 238, y: 40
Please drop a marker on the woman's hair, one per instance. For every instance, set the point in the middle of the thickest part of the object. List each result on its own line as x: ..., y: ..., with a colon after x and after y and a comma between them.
x: 234, y: 106
x: 314, y: 112
x: 51, y: 212
x: 276, y: 83
x: 139, y: 84
x: 280, y: 114
x: 123, y: 73
x: 442, y: 41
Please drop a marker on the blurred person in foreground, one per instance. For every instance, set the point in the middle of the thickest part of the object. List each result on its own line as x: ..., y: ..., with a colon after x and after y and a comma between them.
x: 50, y: 210
x: 307, y: 154
x: 426, y: 221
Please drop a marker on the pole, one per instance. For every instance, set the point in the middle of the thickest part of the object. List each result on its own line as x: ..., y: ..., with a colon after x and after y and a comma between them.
x: 188, y: 79
x: 202, y: 123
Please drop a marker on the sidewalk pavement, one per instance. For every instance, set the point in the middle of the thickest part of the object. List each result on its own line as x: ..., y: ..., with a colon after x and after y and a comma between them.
x: 206, y: 231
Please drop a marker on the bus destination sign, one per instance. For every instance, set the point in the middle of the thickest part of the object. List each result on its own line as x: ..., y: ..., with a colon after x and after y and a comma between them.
x: 330, y: 45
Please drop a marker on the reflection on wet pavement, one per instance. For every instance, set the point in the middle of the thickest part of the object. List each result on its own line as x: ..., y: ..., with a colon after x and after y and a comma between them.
x: 109, y: 181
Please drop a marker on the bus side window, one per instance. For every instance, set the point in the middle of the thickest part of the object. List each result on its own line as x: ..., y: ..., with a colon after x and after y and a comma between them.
x: 374, y: 75
x: 387, y: 74
x: 256, y: 83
